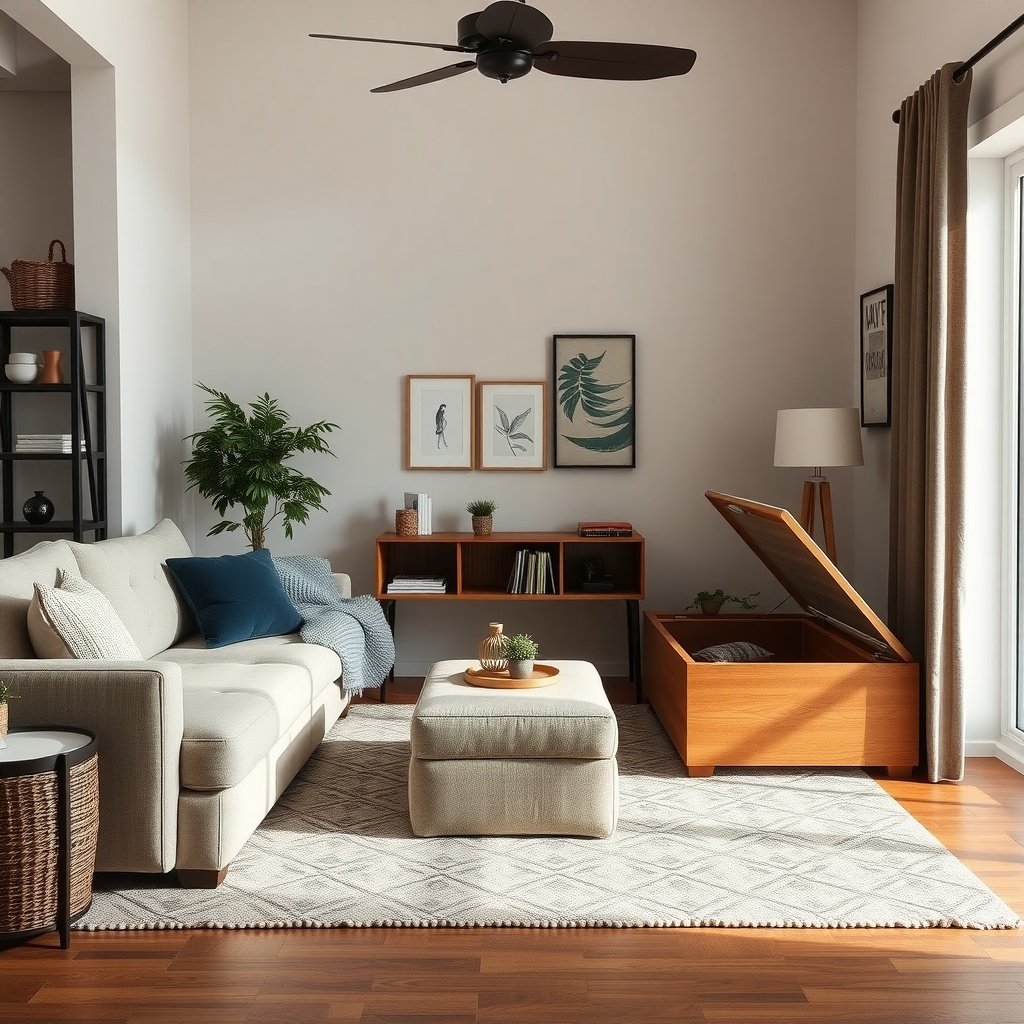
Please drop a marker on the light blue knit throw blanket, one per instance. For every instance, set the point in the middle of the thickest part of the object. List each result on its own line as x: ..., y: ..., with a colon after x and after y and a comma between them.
x: 354, y: 627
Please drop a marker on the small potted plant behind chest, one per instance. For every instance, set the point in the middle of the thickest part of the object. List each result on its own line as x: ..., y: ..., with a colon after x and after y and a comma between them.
x: 521, y: 651
x: 710, y: 602
x: 5, y: 696
x: 482, y: 511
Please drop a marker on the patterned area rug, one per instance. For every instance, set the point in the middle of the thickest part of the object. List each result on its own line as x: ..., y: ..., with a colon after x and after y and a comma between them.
x: 746, y: 848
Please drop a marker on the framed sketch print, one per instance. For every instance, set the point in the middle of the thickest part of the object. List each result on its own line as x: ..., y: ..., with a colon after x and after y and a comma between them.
x: 439, y: 422
x: 595, y: 401
x: 876, y: 357
x: 513, y: 428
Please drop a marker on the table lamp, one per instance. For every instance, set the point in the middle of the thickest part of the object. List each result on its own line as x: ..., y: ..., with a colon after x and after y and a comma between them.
x: 817, y: 438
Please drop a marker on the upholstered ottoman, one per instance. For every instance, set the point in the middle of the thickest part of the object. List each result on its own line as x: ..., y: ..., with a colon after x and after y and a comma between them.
x: 513, y: 762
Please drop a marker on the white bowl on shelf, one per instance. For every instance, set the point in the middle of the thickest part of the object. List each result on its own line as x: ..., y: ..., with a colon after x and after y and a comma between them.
x: 24, y: 357
x: 21, y: 373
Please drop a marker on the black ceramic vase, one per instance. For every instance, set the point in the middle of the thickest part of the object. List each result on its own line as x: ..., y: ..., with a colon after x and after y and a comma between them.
x: 38, y: 510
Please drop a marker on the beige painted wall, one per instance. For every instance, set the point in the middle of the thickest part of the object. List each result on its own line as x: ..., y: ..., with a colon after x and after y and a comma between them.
x: 900, y: 44
x: 36, y: 206
x: 341, y: 240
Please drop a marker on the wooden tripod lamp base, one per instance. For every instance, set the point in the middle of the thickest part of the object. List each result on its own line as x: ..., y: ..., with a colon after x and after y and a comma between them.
x: 817, y: 492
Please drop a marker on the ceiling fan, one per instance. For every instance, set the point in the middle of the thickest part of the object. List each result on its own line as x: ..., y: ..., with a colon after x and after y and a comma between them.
x: 509, y: 39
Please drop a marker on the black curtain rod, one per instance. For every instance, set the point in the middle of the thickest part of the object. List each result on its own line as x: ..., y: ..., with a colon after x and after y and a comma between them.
x: 960, y: 73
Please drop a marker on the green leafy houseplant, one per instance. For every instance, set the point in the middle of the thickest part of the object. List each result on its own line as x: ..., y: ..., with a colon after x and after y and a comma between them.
x: 521, y: 647
x: 481, y: 507
x: 241, y: 460
x: 5, y: 693
x: 710, y: 602
x: 579, y: 387
x: 5, y: 696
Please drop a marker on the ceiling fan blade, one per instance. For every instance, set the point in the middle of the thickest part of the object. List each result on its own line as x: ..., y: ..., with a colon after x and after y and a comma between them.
x: 431, y: 76
x: 617, y: 62
x: 519, y: 23
x: 451, y: 48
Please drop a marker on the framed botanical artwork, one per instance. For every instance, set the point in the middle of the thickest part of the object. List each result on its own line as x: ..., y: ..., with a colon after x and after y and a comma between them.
x: 513, y: 425
x: 595, y: 401
x: 439, y: 416
x: 876, y: 357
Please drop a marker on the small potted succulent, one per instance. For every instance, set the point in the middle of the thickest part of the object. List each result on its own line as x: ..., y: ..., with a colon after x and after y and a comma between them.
x: 482, y: 510
x: 710, y: 602
x: 521, y: 651
x: 5, y: 696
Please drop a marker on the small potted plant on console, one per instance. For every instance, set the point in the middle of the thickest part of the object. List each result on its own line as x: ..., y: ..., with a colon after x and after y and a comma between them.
x: 482, y: 510
x: 5, y: 696
x: 710, y: 602
x: 521, y: 651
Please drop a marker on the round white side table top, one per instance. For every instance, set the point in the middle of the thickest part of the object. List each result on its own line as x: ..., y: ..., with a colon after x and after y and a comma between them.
x: 26, y: 746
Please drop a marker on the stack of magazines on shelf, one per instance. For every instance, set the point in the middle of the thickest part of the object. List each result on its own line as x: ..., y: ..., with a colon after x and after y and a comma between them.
x: 418, y: 585
x: 46, y: 444
x: 424, y: 511
x: 532, y: 573
x: 605, y: 529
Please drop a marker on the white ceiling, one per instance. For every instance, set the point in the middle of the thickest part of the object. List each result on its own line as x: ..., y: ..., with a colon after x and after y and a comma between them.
x: 39, y: 68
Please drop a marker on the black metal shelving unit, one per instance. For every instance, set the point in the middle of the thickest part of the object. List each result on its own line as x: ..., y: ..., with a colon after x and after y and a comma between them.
x: 88, y: 425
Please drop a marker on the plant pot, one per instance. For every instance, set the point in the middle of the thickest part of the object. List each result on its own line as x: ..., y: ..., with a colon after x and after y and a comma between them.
x: 4, y: 723
x: 711, y: 607
x: 491, y: 651
x: 520, y: 669
x: 483, y: 525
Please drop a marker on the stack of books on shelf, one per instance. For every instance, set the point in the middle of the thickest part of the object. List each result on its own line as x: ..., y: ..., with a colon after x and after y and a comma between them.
x: 532, y: 573
x: 605, y: 529
x: 424, y: 511
x: 418, y: 585
x: 56, y: 444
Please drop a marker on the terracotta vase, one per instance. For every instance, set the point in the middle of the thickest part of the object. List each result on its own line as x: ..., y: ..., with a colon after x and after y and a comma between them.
x: 491, y: 651
x: 53, y: 372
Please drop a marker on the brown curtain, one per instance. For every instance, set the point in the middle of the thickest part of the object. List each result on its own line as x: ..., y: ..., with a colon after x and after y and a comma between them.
x: 926, y: 542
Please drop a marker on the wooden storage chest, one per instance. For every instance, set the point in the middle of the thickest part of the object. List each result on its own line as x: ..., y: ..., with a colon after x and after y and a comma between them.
x: 840, y: 689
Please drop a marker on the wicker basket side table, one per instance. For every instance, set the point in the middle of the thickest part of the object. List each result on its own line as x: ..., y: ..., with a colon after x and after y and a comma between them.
x: 49, y: 821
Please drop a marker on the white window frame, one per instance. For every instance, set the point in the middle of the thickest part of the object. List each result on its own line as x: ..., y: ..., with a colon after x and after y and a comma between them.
x: 1012, y: 688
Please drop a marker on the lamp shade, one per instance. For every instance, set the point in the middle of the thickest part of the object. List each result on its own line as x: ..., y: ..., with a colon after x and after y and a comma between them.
x: 818, y: 437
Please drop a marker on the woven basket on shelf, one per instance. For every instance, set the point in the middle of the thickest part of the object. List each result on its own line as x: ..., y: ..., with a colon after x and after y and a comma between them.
x: 36, y: 285
x: 30, y: 846
x: 406, y: 522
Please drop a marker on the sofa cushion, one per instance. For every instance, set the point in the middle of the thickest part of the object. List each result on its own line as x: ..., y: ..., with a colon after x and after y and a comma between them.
x: 74, y: 620
x: 235, y: 597
x: 18, y: 575
x: 131, y: 573
x: 321, y: 663
x: 233, y: 715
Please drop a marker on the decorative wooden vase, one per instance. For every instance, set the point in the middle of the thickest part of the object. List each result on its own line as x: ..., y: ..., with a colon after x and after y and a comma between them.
x: 53, y: 372
x: 406, y: 522
x: 483, y: 526
x: 491, y: 651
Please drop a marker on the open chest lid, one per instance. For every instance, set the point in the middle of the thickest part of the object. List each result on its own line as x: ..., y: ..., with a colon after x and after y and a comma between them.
x: 806, y: 572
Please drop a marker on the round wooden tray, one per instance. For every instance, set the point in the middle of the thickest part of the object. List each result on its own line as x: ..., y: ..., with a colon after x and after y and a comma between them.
x: 543, y: 675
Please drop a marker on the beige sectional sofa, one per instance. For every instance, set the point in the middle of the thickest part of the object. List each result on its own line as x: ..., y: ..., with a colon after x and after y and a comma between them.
x: 195, y: 745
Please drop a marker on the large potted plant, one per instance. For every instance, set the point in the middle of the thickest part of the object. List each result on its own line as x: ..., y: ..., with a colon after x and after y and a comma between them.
x: 241, y: 460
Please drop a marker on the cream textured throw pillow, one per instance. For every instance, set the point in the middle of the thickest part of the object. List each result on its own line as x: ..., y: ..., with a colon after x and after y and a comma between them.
x: 74, y: 620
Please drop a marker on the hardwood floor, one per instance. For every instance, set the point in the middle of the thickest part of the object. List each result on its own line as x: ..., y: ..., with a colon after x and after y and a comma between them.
x: 490, y: 976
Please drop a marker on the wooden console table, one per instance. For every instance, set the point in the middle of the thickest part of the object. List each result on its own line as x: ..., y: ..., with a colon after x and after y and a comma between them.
x: 478, y: 569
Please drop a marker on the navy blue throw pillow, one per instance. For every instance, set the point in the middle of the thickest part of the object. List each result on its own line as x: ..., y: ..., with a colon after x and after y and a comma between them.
x: 235, y: 597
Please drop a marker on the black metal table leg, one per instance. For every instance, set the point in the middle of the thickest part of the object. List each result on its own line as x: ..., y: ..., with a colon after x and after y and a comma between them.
x: 64, y: 851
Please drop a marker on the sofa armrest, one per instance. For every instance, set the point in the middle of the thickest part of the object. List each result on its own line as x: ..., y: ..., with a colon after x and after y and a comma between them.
x: 135, y: 711
x: 344, y: 582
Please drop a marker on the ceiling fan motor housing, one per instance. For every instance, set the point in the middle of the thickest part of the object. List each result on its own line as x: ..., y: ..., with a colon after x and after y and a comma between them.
x: 504, y: 64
